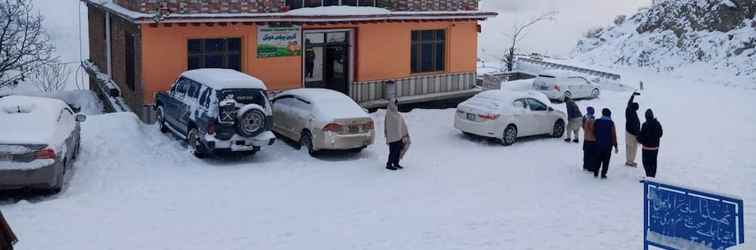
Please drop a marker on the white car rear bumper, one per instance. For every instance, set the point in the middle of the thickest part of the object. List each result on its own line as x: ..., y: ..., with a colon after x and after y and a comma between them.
x: 486, y: 129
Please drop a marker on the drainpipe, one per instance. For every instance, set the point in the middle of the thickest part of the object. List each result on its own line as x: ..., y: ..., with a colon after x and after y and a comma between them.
x: 108, y: 45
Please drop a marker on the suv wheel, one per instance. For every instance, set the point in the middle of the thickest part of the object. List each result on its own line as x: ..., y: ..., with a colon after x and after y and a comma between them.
x: 161, y: 120
x: 193, y: 139
x: 251, y: 123
x: 306, y: 142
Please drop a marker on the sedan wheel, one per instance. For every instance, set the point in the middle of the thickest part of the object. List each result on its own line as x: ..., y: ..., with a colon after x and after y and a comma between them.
x: 510, y: 135
x: 306, y: 142
x: 558, y: 129
x: 595, y: 93
x: 193, y: 139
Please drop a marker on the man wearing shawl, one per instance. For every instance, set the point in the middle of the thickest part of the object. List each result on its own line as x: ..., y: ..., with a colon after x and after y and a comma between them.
x: 397, y: 136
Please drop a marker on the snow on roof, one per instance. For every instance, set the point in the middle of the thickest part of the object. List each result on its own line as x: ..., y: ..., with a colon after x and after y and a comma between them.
x: 316, y: 14
x: 331, y: 104
x: 510, y: 96
x: 224, y: 79
x: 29, y: 120
x: 339, y: 11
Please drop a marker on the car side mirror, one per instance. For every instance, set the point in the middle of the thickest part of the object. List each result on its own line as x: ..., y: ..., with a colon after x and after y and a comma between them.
x: 81, y: 118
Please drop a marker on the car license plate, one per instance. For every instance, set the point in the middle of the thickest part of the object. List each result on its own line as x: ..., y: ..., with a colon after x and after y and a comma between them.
x: 471, y: 117
x: 354, y: 129
x: 6, y: 157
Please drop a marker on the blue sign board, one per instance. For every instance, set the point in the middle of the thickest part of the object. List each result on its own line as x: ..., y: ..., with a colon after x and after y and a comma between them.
x: 681, y: 218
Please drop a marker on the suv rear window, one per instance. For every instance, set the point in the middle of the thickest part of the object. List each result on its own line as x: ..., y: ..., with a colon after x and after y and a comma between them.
x: 244, y: 96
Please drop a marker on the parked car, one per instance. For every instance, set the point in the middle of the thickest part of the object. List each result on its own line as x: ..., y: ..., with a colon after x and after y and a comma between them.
x: 322, y: 119
x: 217, y: 110
x: 39, y: 141
x: 508, y: 115
x: 560, y: 84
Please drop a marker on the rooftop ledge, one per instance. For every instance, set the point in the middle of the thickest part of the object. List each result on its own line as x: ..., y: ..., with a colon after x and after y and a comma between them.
x: 315, y: 14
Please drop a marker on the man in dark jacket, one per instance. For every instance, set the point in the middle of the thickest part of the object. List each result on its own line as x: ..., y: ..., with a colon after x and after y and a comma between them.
x: 650, y: 137
x: 575, y: 120
x: 606, y: 139
x: 632, y: 128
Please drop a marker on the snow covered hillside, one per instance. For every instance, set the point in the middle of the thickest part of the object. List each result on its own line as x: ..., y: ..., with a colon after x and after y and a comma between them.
x: 135, y: 188
x: 717, y: 37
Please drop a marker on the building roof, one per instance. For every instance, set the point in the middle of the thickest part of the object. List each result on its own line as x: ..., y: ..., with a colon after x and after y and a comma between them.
x: 317, y: 14
x: 224, y: 79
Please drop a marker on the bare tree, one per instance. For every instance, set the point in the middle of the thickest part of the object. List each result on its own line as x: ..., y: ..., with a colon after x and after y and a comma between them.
x: 518, y: 33
x: 51, y: 78
x: 24, y: 44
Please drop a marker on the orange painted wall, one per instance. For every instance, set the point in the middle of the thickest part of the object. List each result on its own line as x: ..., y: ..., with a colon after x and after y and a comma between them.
x: 164, y: 55
x: 382, y: 51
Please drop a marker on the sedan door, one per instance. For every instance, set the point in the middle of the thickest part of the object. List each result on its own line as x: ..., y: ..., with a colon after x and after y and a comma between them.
x: 301, y: 116
x: 281, y: 110
x: 540, y: 115
x: 522, y: 117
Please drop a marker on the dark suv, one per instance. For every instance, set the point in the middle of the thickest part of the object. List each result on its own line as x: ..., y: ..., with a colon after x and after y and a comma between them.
x: 217, y: 110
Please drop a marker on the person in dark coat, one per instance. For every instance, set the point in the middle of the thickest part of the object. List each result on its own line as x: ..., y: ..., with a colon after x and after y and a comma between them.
x: 606, y: 139
x: 7, y: 238
x: 589, y: 140
x: 632, y: 128
x: 574, y: 120
x: 650, y: 137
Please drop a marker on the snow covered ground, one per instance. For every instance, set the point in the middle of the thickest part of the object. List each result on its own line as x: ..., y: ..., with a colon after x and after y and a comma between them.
x: 134, y: 188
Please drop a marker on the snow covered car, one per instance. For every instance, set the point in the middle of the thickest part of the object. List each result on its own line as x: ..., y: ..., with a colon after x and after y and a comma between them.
x: 322, y: 119
x: 508, y: 115
x: 217, y: 110
x: 560, y: 84
x: 39, y: 141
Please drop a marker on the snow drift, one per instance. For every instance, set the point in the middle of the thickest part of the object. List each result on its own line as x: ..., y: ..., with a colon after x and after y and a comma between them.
x: 681, y: 34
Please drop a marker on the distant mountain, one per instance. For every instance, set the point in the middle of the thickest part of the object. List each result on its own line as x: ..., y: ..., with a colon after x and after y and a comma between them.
x: 675, y: 34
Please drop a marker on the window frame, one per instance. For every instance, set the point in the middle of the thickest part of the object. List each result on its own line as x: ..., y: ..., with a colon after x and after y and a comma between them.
x: 546, y: 107
x: 226, y: 53
x: 437, y: 45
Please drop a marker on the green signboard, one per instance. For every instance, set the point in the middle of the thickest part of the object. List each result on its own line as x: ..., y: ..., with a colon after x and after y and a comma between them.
x: 279, y: 41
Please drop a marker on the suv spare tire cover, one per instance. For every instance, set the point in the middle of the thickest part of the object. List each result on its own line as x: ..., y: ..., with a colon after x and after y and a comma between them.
x: 251, y: 120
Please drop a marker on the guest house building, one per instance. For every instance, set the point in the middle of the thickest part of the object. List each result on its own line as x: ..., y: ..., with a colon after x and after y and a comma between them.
x: 427, y: 47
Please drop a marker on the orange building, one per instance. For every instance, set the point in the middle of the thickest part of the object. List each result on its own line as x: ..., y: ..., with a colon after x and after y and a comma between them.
x: 139, y: 47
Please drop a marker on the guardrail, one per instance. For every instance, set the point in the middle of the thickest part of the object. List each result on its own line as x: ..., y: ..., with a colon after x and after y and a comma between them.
x: 558, y: 66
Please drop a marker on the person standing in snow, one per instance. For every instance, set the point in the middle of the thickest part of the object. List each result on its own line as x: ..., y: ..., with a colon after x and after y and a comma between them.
x: 650, y: 137
x: 7, y: 238
x: 606, y: 139
x: 632, y: 128
x: 575, y: 120
x: 589, y: 140
x: 397, y: 135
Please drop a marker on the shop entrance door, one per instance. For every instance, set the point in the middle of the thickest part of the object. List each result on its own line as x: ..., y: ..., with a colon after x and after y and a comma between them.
x: 327, y: 60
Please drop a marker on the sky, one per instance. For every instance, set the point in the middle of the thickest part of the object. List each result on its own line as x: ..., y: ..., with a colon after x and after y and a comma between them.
x: 556, y: 37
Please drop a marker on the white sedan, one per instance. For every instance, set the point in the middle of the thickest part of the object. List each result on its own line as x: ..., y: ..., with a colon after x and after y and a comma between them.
x: 508, y: 115
x: 322, y: 119
x: 560, y: 84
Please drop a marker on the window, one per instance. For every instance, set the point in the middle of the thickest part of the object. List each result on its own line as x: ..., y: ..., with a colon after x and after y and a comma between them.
x: 536, y: 105
x: 194, y: 89
x: 520, y: 104
x: 204, y: 98
x: 179, y: 90
x: 130, y: 48
x: 215, y: 53
x: 428, y: 50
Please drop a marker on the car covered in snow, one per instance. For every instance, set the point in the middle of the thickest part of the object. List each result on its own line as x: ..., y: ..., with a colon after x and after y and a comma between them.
x: 217, y: 110
x: 508, y: 115
x: 322, y: 119
x: 39, y: 141
x: 558, y: 84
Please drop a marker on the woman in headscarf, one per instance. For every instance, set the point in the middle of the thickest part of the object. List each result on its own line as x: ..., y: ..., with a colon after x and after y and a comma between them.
x: 397, y: 136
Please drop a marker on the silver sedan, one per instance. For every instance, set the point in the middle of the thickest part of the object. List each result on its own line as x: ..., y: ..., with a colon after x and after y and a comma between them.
x: 322, y: 119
